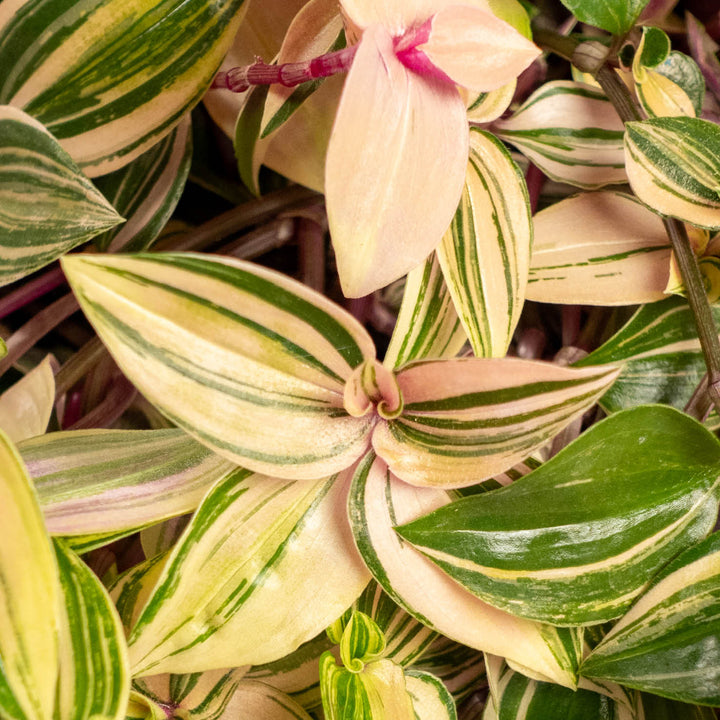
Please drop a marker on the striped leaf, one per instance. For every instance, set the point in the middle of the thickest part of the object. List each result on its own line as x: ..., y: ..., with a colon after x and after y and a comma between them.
x: 26, y: 407
x: 250, y: 362
x: 47, y: 206
x: 110, y: 79
x: 109, y: 481
x: 571, y: 132
x: 379, y: 501
x: 467, y: 419
x: 142, y: 708
x: 159, y: 538
x: 430, y: 698
x: 660, y: 357
x: 577, y: 540
x: 668, y: 642
x: 625, y: 260
x: 427, y: 325
x: 485, y: 254
x: 264, y: 565
x: 673, y: 164
x: 94, y: 678
x: 30, y: 611
x: 257, y: 701
x: 147, y: 190
x: 489, y: 106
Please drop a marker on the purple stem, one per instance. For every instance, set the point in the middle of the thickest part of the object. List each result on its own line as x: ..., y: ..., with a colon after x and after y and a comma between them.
x: 31, y: 291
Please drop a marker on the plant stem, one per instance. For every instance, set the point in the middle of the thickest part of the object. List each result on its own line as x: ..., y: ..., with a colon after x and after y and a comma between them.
x: 627, y: 108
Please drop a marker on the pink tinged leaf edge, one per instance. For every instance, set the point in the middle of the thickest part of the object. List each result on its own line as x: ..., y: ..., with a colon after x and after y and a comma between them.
x: 395, y: 167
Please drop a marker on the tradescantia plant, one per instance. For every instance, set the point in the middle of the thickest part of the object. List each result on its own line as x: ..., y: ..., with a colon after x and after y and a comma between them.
x: 432, y: 437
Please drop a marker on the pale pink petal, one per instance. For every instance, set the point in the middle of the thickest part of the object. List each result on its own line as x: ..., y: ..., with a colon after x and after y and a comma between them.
x: 395, y: 167
x: 477, y: 49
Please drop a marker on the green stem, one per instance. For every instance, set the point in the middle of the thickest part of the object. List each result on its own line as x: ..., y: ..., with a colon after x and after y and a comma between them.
x: 627, y: 108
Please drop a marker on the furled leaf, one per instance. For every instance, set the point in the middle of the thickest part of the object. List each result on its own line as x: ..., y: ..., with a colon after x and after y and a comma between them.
x: 427, y: 325
x: 94, y: 678
x: 615, y: 16
x: 142, y: 708
x: 109, y: 481
x: 430, y: 698
x: 571, y: 132
x: 250, y: 362
x: 264, y: 565
x: 625, y: 260
x: 26, y: 406
x: 673, y: 164
x: 47, y: 206
x: 30, y: 611
x: 147, y: 190
x: 577, y: 540
x: 63, y: 66
x: 361, y: 640
x: 485, y: 254
x: 466, y: 419
x: 668, y: 642
x: 377, y: 502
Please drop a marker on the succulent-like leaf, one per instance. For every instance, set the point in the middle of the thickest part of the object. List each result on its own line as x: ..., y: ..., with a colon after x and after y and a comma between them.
x: 250, y: 362
x: 264, y: 565
x: 63, y: 66
x: 147, y: 190
x: 430, y: 698
x: 615, y: 16
x: 673, y: 164
x: 464, y: 420
x: 30, y: 611
x: 427, y: 325
x: 94, y: 678
x: 667, y: 643
x: 485, y: 254
x: 577, y: 540
x: 47, y: 206
x: 571, y: 132
x: 625, y: 260
x: 377, y: 502
x: 109, y: 481
x: 26, y: 406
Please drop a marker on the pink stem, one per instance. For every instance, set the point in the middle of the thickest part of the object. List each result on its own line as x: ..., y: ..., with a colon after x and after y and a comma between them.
x: 31, y: 290
x: 239, y: 79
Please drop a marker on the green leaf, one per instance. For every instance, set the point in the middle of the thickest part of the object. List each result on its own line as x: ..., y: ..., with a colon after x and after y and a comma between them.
x: 250, y: 362
x: 668, y: 642
x: 362, y: 641
x: 110, y: 481
x: 272, y: 555
x: 110, y: 79
x: 30, y: 612
x: 47, y: 206
x: 654, y: 707
x: 94, y: 676
x: 571, y: 132
x: 615, y: 16
x: 653, y: 50
x: 147, y: 190
x: 247, y: 135
x: 485, y: 254
x: 673, y: 164
x: 578, y: 539
x: 427, y: 325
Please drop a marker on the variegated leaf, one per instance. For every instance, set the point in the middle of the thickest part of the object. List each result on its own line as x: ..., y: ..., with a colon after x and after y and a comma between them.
x: 264, y: 565
x: 47, y: 206
x: 430, y: 698
x: 94, y: 678
x: 159, y: 538
x: 30, y: 600
x: 577, y: 540
x: 106, y: 108
x: 250, y: 362
x: 673, y: 164
x: 142, y: 708
x: 488, y: 106
x: 147, y: 190
x: 379, y: 501
x: 26, y: 407
x: 571, y: 132
x: 427, y: 325
x: 256, y: 701
x: 625, y: 260
x: 109, y: 481
x: 668, y: 642
x: 485, y: 254
x: 467, y: 419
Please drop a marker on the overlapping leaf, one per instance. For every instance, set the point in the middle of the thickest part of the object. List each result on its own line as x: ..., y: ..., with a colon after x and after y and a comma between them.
x: 47, y: 206
x: 578, y: 539
x: 615, y: 16
x: 109, y: 80
x: 430, y: 698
